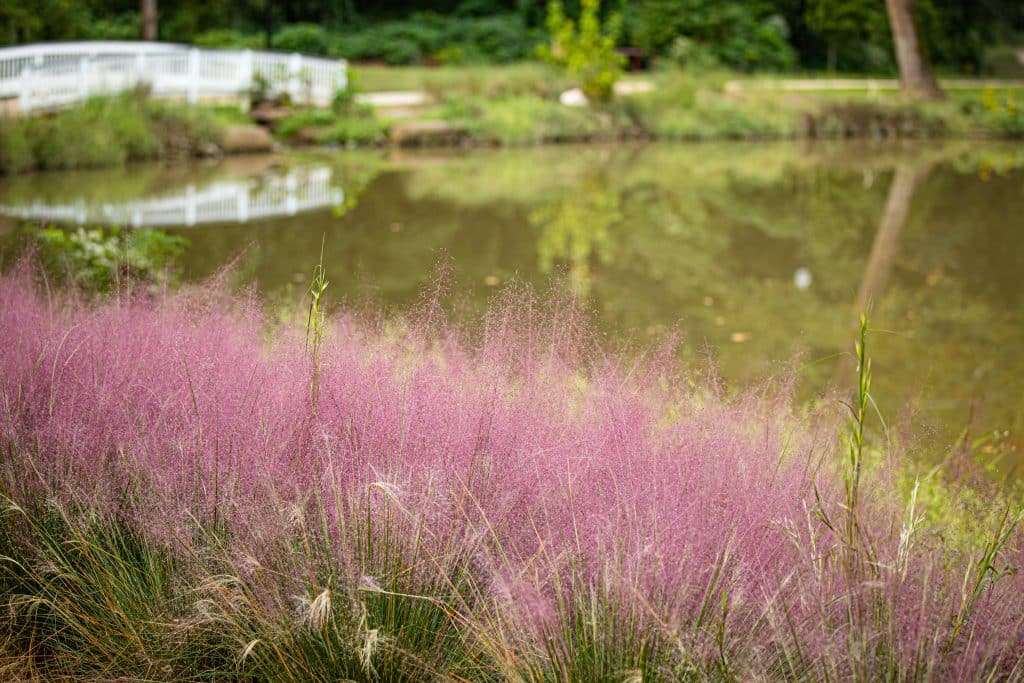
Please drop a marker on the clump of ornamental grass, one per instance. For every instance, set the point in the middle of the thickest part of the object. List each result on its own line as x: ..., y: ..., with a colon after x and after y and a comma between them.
x: 375, y: 500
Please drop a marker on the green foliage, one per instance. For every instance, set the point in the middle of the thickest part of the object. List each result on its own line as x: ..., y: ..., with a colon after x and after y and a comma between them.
x: 399, y: 42
x: 1002, y: 61
x: 353, y: 130
x: 109, y: 131
x: 847, y: 26
x: 495, y: 82
x: 691, y: 55
x: 586, y: 50
x: 348, y: 124
x: 501, y: 38
x: 1001, y: 112
x: 102, y: 132
x: 524, y: 119
x: 125, y: 26
x: 306, y: 118
x: 428, y: 37
x: 306, y: 38
x: 743, y: 35
x: 687, y: 110
x: 16, y: 145
x: 97, y: 260
x: 226, y: 37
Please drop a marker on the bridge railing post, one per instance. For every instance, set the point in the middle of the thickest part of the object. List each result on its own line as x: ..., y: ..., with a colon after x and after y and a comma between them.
x: 25, y: 97
x: 294, y: 71
x: 84, y: 75
x: 245, y: 79
x: 140, y: 69
x: 193, y: 75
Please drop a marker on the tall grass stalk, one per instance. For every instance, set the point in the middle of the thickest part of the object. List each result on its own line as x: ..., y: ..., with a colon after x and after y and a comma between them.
x: 316, y: 322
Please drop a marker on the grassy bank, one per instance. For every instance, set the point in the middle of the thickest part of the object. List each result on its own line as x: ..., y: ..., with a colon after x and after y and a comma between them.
x: 191, y: 493
x: 518, y: 104
x: 109, y: 132
x: 514, y: 104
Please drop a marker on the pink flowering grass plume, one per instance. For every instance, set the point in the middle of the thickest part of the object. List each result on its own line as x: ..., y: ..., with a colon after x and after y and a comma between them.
x: 506, y: 496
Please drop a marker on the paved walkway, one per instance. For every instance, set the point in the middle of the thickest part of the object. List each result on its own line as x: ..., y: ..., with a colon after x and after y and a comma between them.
x: 869, y: 84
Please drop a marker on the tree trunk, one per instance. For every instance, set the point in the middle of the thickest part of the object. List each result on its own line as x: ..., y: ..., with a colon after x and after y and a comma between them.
x: 148, y: 12
x: 268, y: 22
x: 916, y: 77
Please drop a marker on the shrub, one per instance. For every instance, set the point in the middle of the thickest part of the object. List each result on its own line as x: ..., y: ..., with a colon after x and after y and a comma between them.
x: 690, y: 54
x: 1002, y: 113
x: 16, y: 142
x: 740, y: 35
x: 683, y: 109
x: 398, y: 42
x: 496, y: 82
x: 101, y: 132
x: 107, y: 131
x: 354, y: 129
x: 96, y: 259
x: 588, y: 51
x: 501, y: 38
x: 306, y: 38
x: 117, y: 27
x: 226, y: 37
x: 524, y: 119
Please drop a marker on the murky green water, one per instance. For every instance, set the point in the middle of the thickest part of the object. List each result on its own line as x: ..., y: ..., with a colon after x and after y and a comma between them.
x: 754, y: 253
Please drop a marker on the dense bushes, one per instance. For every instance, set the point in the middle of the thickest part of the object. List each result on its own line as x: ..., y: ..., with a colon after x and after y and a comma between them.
x: 422, y: 38
x: 743, y: 36
x: 430, y: 37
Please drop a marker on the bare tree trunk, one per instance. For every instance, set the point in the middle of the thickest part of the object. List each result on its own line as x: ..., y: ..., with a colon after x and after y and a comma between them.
x: 148, y: 12
x: 916, y: 77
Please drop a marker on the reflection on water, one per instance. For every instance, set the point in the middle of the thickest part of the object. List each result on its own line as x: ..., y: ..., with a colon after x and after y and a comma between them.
x: 272, y: 193
x: 751, y: 252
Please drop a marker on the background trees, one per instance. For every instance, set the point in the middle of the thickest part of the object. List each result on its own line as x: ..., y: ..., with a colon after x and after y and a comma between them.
x: 847, y: 35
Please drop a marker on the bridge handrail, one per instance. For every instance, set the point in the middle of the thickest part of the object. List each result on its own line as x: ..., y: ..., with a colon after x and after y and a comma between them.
x: 13, y: 60
x: 51, y: 75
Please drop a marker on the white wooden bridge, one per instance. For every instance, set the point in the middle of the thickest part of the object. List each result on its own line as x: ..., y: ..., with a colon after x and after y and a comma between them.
x: 47, y: 76
x: 221, y: 201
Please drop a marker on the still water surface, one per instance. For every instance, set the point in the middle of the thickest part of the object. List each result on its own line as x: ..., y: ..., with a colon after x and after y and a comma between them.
x: 753, y: 253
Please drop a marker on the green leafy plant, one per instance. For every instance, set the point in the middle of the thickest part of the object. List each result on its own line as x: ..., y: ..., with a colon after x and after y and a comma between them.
x: 586, y: 49
x: 96, y: 260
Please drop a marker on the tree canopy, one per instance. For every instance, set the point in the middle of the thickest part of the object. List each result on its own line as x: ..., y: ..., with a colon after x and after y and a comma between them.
x: 849, y: 35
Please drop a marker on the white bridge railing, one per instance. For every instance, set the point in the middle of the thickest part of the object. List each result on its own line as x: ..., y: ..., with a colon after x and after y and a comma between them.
x: 221, y: 201
x: 50, y: 76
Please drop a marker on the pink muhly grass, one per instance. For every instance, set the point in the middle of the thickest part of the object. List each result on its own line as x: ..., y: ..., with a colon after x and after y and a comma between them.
x: 556, y: 468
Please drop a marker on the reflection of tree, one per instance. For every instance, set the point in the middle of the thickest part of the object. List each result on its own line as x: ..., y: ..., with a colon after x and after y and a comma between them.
x: 575, y: 227
x: 905, y: 184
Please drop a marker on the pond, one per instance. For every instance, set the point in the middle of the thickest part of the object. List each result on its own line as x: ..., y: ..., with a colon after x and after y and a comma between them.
x: 760, y: 256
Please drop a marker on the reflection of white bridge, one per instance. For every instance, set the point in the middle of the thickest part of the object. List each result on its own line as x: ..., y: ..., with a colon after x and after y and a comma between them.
x: 222, y: 201
x: 54, y: 75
